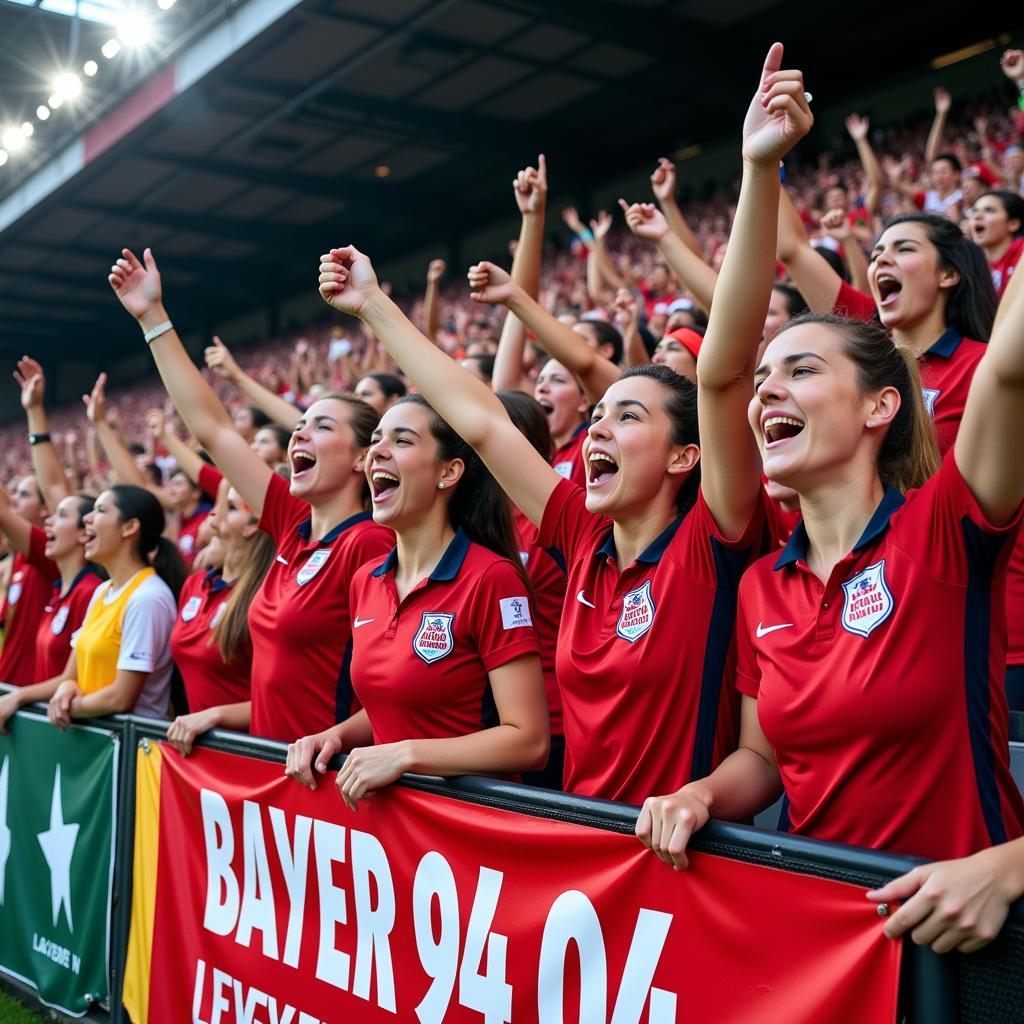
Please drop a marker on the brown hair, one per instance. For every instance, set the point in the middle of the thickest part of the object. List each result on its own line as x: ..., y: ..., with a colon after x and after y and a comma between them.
x: 231, y: 634
x: 910, y: 453
x: 363, y: 419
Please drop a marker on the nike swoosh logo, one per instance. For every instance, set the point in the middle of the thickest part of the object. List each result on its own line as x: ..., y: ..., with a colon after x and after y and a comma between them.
x: 360, y: 622
x: 765, y: 630
x: 583, y: 600
x: 283, y: 561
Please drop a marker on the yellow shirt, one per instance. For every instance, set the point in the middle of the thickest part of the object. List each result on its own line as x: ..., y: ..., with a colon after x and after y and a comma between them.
x: 98, y: 644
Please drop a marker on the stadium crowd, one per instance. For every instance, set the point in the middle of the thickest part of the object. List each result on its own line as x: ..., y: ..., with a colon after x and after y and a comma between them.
x: 479, y: 531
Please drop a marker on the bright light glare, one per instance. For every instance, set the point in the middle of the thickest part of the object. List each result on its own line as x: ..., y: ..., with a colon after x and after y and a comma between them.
x: 13, y: 140
x: 134, y: 28
x: 67, y: 85
x: 165, y: 5
x: 43, y: 112
x: 90, y: 67
x: 3, y: 157
x: 27, y: 128
x: 111, y: 48
x: 55, y: 101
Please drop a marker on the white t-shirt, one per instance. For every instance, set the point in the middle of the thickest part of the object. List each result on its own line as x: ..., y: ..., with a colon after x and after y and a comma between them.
x: 146, y: 641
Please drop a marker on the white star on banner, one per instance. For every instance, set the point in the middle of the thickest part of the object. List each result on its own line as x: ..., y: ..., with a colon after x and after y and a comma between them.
x: 58, y: 843
x: 5, y: 832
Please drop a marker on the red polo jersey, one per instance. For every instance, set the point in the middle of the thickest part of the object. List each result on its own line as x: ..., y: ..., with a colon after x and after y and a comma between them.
x: 64, y: 612
x: 1003, y: 268
x: 881, y: 691
x: 188, y: 530
x: 28, y: 593
x: 420, y: 665
x: 644, y: 657
x: 568, y: 460
x: 547, y: 581
x: 299, y: 618
x: 209, y: 681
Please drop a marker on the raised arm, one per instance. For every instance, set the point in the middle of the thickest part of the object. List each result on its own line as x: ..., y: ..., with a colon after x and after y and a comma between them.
x: 50, y: 475
x: 138, y: 287
x: 122, y: 462
x: 858, y: 128
x: 943, y: 101
x: 988, y: 450
x: 597, y: 374
x: 646, y: 222
x: 663, y: 185
x: 779, y: 116
x: 17, y: 530
x: 159, y: 429
x: 608, y: 272
x: 627, y: 319
x: 219, y: 359
x: 530, y: 188
x: 349, y: 284
x: 432, y: 298
x: 818, y: 283
x: 837, y: 225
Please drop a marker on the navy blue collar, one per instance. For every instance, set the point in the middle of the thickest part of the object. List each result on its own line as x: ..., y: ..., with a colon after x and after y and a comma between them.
x: 214, y: 580
x: 654, y: 550
x: 446, y: 569
x: 306, y: 527
x: 796, y: 547
x: 947, y: 344
x: 87, y: 570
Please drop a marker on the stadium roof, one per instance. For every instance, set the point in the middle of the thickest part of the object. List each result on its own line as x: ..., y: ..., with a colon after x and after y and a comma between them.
x: 261, y: 132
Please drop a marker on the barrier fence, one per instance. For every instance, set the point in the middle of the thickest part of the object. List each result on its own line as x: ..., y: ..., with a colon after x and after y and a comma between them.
x: 440, y: 900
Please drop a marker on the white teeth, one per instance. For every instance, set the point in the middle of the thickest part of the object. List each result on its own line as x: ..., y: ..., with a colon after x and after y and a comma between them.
x: 304, y: 455
x: 379, y: 474
x: 601, y: 457
x: 779, y: 420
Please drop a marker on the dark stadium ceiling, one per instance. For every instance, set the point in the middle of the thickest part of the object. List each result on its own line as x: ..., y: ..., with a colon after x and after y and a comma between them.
x: 242, y: 180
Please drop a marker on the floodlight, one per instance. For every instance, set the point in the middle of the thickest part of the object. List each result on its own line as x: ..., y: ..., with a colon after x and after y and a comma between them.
x: 134, y: 29
x: 12, y: 140
x: 3, y: 157
x: 165, y: 5
x: 111, y: 48
x: 42, y: 112
x: 90, y: 67
x: 27, y: 128
x: 55, y: 101
x: 67, y: 85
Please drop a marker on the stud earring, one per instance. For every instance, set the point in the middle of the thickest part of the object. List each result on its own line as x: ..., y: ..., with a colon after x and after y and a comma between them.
x: 440, y: 486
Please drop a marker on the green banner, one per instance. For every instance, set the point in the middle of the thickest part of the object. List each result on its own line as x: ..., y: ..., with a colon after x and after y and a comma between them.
x: 58, y: 801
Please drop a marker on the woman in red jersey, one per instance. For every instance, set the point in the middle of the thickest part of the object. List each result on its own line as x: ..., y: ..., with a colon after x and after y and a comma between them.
x: 58, y: 552
x: 445, y: 657
x: 210, y: 642
x: 997, y: 225
x: 299, y: 620
x: 870, y: 651
x: 653, y: 557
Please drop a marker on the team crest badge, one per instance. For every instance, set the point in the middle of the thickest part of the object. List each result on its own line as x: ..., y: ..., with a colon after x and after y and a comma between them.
x: 868, y: 600
x: 14, y: 590
x: 637, y: 614
x: 434, y: 639
x: 313, y: 566
x: 191, y: 609
x: 930, y: 397
x: 60, y: 620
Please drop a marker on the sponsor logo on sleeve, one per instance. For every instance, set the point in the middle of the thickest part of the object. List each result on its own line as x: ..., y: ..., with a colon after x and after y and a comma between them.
x: 637, y: 615
x: 515, y: 612
x: 434, y: 640
x: 563, y: 469
x: 868, y: 600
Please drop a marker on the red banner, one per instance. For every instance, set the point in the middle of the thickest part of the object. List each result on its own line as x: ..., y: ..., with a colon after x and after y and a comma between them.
x: 276, y: 905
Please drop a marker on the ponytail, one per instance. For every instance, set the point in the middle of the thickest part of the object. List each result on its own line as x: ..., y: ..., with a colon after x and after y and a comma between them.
x: 479, y: 506
x: 231, y: 633
x: 151, y: 547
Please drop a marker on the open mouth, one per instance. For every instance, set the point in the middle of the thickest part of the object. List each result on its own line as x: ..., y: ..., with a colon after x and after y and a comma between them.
x: 888, y: 289
x: 384, y: 485
x: 302, y: 462
x: 780, y: 428
x: 601, y: 467
x: 546, y: 406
